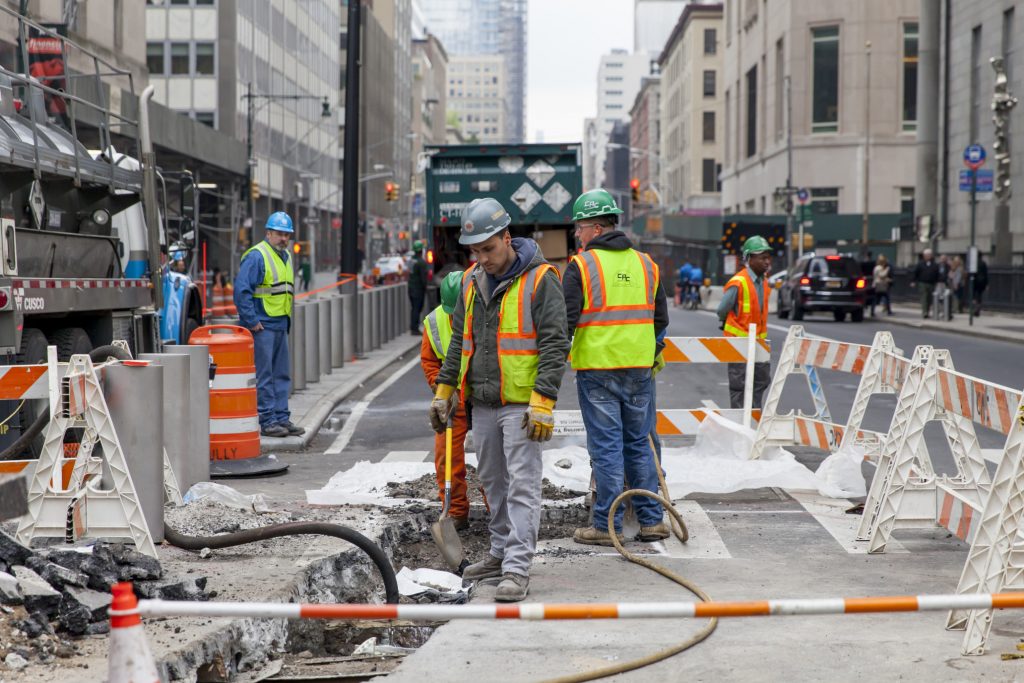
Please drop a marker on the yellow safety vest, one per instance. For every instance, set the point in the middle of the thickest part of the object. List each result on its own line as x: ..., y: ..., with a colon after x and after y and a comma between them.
x: 439, y: 331
x: 277, y: 289
x: 517, y: 335
x: 616, y: 325
x: 750, y: 310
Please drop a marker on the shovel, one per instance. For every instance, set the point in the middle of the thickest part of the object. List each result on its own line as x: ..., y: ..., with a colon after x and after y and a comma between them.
x: 443, y: 530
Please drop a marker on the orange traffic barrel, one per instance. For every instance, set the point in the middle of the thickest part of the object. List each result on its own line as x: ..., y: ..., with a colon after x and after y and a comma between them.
x: 223, y: 301
x: 234, y: 420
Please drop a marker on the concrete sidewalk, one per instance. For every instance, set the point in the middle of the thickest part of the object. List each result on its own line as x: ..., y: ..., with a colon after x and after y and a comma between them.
x: 998, y: 326
x: 312, y: 405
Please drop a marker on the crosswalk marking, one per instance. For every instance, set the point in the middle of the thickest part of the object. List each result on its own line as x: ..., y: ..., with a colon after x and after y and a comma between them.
x: 705, y: 542
x: 406, y: 456
x: 831, y: 514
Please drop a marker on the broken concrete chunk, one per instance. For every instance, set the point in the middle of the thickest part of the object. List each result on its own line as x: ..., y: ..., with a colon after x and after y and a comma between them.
x: 186, y: 589
x: 39, y: 597
x: 10, y: 594
x: 134, y: 566
x: 56, y: 575
x: 12, y: 552
x: 69, y: 559
x: 92, y: 604
x: 15, y: 661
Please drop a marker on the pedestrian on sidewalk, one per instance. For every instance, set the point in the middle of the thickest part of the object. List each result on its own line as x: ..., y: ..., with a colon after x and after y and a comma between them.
x: 926, y: 276
x: 745, y: 303
x: 958, y: 282
x: 437, y: 334
x: 980, y: 284
x: 616, y: 310
x: 263, y: 296
x: 306, y: 271
x: 507, y: 357
x: 881, y: 279
x: 418, y: 277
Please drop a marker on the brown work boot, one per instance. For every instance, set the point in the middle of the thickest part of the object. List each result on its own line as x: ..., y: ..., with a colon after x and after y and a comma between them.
x: 591, y: 536
x: 658, y: 532
x: 513, y: 588
x: 487, y: 568
x: 461, y: 523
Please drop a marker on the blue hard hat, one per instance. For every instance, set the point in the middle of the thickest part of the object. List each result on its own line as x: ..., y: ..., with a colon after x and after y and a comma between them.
x: 280, y: 221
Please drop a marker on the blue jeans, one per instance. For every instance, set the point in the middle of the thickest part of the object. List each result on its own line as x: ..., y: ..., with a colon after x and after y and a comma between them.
x: 618, y: 415
x: 273, y: 376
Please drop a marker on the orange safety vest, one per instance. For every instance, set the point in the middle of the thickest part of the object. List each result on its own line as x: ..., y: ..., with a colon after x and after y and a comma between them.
x: 749, y: 310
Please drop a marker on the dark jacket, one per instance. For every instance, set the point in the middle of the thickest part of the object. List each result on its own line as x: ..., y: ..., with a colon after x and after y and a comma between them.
x: 572, y: 285
x: 418, y: 277
x: 483, y: 380
x: 926, y: 272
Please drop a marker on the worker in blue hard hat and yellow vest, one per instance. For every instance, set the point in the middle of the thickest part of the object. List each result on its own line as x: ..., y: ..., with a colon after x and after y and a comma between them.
x: 263, y: 295
x: 437, y: 334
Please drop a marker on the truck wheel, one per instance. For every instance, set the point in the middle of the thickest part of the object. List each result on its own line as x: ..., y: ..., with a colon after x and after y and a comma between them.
x: 190, y: 326
x: 857, y: 315
x: 798, y: 311
x: 70, y: 341
x: 32, y: 352
x: 839, y: 315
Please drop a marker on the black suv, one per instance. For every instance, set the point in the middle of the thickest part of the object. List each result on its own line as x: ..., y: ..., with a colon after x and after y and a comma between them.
x: 824, y: 283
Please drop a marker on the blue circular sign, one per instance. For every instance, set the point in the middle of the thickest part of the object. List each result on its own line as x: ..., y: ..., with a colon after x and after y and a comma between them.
x: 974, y: 156
x: 802, y: 195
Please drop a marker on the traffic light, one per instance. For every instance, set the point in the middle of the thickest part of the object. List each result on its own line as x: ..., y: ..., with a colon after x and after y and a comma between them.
x: 634, y: 185
x: 254, y: 189
x: 391, y: 191
x: 300, y: 248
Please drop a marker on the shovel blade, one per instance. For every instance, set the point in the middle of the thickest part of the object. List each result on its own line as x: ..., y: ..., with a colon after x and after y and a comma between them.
x: 447, y: 540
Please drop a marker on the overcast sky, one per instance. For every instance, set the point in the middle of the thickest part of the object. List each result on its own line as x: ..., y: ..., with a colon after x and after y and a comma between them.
x: 566, y: 39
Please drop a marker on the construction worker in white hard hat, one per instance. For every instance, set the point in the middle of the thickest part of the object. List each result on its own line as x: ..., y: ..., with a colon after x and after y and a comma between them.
x: 744, y: 303
x: 506, y: 357
x: 437, y: 335
x: 616, y: 309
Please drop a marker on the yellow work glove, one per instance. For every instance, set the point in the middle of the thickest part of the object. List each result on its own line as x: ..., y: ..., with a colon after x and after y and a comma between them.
x: 538, y: 420
x: 442, y: 407
x: 659, y: 364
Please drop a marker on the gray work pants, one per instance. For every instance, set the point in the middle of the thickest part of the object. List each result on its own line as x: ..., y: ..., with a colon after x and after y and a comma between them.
x: 738, y: 380
x: 510, y: 469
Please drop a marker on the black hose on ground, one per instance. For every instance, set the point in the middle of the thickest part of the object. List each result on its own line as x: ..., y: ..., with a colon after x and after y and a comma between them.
x: 23, y: 442
x: 379, y: 558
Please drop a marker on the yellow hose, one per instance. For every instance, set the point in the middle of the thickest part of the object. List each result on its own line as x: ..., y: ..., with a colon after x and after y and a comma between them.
x: 680, y: 531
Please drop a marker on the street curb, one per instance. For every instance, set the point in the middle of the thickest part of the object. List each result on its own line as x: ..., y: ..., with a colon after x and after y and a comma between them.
x: 963, y: 332
x: 315, y: 418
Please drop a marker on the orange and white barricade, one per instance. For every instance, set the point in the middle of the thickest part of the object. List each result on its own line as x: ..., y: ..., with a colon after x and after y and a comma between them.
x: 880, y: 366
x: 689, y: 350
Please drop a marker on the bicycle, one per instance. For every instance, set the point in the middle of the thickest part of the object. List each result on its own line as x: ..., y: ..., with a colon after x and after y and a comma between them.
x: 692, y: 298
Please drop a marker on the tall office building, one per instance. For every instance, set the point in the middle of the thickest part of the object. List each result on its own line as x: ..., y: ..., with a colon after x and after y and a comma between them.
x: 487, y: 27
x: 476, y: 88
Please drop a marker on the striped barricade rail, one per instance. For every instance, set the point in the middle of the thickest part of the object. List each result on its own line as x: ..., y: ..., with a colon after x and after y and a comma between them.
x: 879, y: 365
x: 678, y: 422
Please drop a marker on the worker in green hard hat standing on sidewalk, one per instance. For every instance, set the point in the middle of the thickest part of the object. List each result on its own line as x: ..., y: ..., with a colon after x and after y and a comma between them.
x: 418, y: 278
x: 506, y: 358
x: 616, y: 310
x: 745, y: 303
x: 437, y: 335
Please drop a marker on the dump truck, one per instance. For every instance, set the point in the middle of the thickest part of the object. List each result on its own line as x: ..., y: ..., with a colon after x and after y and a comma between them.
x: 536, y: 183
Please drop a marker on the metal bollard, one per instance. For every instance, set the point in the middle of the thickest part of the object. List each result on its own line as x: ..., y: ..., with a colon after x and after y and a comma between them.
x: 396, y: 313
x: 365, y: 316
x: 130, y: 391
x: 349, y: 327
x: 174, y: 404
x: 197, y: 463
x: 323, y: 307
x: 405, y: 310
x: 298, y: 348
x: 390, y: 324
x: 375, y: 318
x: 337, y: 304
x: 312, y: 342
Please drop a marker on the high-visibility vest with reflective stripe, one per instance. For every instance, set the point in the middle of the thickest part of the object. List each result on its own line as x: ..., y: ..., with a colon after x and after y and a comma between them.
x: 277, y: 288
x: 517, y: 335
x: 616, y: 325
x: 748, y: 308
x: 439, y: 331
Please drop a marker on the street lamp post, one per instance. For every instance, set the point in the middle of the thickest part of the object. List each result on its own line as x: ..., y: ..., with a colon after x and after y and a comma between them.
x: 867, y: 151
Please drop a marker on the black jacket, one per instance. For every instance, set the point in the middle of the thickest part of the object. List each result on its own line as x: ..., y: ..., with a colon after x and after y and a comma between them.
x: 926, y: 272
x: 572, y: 285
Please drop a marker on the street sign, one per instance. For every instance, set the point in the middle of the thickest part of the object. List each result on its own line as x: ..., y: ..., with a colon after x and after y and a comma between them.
x: 974, y: 156
x: 985, y: 180
x: 803, y: 196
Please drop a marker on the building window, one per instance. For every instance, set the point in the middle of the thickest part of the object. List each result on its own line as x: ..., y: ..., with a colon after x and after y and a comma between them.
x: 613, y: 79
x: 825, y: 85
x: 204, y: 59
x: 780, y: 91
x: 612, y: 93
x: 752, y: 112
x: 709, y: 176
x: 709, y: 83
x: 709, y: 126
x: 728, y: 122
x: 825, y: 200
x: 179, y: 58
x: 710, y: 41
x: 907, y: 202
x: 155, y: 58
x: 909, y: 76
x: 975, y: 85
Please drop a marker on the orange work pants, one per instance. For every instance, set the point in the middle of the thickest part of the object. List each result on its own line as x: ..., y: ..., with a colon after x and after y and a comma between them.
x: 460, y: 501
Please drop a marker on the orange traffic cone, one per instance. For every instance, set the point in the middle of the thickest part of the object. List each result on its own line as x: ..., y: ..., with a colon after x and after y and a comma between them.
x: 130, y: 660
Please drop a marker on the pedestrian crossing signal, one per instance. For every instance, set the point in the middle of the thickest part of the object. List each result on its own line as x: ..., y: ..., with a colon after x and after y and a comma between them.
x: 254, y: 190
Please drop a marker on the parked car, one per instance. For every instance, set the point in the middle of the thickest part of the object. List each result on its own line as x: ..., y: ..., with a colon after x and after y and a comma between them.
x: 823, y: 283
x: 389, y: 269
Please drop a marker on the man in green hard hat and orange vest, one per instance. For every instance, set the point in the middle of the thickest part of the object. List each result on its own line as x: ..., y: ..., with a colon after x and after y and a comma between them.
x: 506, y: 358
x: 616, y: 310
x: 745, y: 303
x: 437, y: 335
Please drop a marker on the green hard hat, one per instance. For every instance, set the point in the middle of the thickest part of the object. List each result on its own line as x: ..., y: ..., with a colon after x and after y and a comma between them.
x: 417, y: 245
x: 597, y: 202
x: 755, y: 245
x: 450, y: 286
x: 481, y: 219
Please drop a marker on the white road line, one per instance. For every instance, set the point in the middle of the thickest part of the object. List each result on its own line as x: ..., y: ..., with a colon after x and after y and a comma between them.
x: 406, y: 456
x: 709, y: 404
x: 357, y: 411
x: 704, y: 543
x: 831, y: 514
